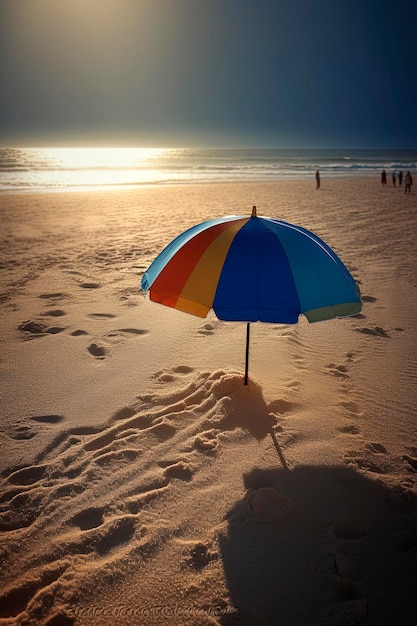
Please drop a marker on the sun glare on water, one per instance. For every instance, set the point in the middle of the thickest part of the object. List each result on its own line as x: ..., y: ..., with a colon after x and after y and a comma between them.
x: 97, y: 167
x: 91, y: 158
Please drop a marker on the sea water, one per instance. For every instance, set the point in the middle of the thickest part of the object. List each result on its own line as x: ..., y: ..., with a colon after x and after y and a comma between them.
x: 66, y: 169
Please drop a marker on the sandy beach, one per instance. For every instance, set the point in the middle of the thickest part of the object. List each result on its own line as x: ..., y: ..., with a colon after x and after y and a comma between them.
x: 139, y: 483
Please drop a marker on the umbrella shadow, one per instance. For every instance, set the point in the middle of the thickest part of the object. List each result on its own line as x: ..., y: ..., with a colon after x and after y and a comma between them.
x: 246, y: 408
x: 320, y: 545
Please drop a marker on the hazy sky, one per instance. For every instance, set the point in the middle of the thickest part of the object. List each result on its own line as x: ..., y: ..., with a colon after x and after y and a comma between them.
x: 281, y: 73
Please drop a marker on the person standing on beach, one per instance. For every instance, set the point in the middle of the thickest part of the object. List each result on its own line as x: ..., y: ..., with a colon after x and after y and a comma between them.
x: 400, y: 177
x: 318, y: 179
x: 394, y: 179
x: 383, y: 177
x: 408, y: 181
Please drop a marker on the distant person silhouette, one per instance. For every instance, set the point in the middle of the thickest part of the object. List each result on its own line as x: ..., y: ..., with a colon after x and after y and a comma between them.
x: 384, y: 177
x: 400, y: 177
x: 318, y: 179
x: 408, y: 181
x: 394, y: 179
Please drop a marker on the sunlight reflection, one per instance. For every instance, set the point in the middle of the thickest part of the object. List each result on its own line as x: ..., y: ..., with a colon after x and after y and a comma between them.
x: 75, y: 167
x: 98, y: 158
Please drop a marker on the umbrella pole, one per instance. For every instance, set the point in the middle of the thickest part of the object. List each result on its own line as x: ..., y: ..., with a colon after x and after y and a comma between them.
x: 247, y: 353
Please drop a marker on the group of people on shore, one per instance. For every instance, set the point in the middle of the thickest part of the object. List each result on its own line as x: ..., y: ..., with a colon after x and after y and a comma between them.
x: 408, y: 179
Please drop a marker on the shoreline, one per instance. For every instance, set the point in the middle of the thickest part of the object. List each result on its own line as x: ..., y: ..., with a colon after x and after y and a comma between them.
x: 167, y: 185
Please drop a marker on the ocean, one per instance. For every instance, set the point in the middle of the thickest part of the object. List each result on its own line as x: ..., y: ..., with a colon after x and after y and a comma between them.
x: 71, y: 169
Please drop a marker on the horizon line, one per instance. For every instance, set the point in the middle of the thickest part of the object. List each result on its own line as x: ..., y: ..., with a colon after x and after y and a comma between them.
x: 99, y: 146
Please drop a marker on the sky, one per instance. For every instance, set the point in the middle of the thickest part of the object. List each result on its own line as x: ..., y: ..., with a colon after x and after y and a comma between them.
x: 238, y: 73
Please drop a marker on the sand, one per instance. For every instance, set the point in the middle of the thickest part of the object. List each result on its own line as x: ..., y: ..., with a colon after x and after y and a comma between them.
x: 139, y: 481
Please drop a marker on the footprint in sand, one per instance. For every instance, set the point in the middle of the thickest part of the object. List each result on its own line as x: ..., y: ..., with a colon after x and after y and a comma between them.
x: 351, y: 408
x: 21, y: 433
x: 38, y: 329
x: 349, y: 429
x: 117, y: 533
x: 121, y: 333
x: 69, y: 490
x: 79, y: 333
x: 54, y: 313
x: 206, y: 329
x: 377, y: 331
x: 167, y: 376
x: 366, y: 464
x: 198, y: 555
x: 27, y: 475
x: 183, y: 369
x: 164, y: 376
x: 411, y: 463
x: 181, y: 470
x: 122, y: 414
x: 376, y: 448
x: 33, y: 327
x: 340, y: 371
x: 52, y: 296
x: 118, y: 457
x: 98, y: 316
x: 207, y: 441
x: 163, y: 431
x: 88, y: 518
x: 47, y: 419
x: 54, y: 330
x: 132, y: 331
x: 97, y: 351
x: 90, y: 285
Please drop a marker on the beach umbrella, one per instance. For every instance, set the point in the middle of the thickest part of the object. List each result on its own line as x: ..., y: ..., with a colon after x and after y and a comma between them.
x: 250, y: 268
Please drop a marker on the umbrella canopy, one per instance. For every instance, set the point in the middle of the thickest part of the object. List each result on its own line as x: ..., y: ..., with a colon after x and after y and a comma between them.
x: 252, y: 269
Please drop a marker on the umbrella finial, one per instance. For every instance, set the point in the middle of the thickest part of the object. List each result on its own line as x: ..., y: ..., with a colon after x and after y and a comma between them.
x: 254, y: 211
